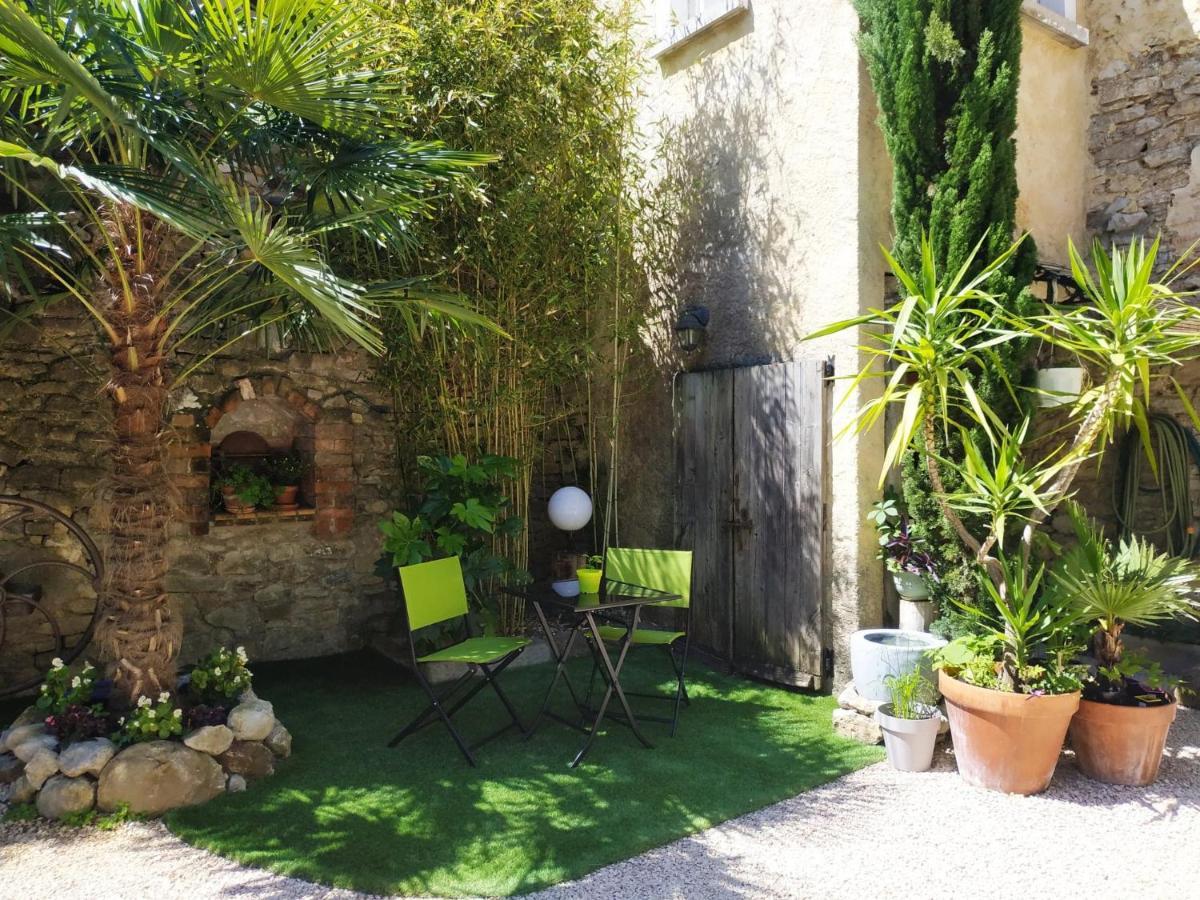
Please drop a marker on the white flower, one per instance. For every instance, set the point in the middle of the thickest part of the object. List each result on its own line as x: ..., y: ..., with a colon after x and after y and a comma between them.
x: 216, y: 671
x: 76, y: 681
x: 87, y: 667
x: 241, y: 655
x: 45, y: 687
x: 121, y: 721
x: 178, y: 714
x: 56, y: 663
x: 164, y: 697
x: 150, y: 713
x: 143, y: 701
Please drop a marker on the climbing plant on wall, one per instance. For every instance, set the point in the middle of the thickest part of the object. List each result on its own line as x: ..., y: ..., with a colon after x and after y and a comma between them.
x: 541, y: 245
x: 946, y: 74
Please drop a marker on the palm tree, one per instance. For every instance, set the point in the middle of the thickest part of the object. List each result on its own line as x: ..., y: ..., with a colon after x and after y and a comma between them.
x: 183, y: 169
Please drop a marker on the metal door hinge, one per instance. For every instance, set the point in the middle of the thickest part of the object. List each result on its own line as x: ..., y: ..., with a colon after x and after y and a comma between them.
x: 829, y: 369
x: 827, y: 662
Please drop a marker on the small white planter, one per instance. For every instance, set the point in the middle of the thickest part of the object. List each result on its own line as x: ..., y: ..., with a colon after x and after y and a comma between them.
x: 909, y: 742
x: 1059, y: 386
x: 911, y: 586
x: 916, y: 615
x: 877, y: 653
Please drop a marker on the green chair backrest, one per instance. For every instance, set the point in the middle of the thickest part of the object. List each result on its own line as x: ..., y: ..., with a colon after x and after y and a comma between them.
x: 433, y: 591
x: 663, y: 570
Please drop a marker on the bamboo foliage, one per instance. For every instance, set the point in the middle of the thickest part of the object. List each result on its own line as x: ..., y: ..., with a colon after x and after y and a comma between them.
x: 542, y: 246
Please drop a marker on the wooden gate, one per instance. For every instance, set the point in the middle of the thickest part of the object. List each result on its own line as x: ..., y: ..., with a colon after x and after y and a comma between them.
x: 750, y: 481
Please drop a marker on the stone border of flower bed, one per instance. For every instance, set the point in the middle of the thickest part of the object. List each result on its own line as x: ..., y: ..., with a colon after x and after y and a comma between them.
x: 149, y: 778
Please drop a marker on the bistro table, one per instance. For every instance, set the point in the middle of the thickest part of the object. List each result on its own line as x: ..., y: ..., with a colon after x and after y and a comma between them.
x: 616, y: 603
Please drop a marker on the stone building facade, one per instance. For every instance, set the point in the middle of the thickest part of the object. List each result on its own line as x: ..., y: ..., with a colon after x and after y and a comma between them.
x: 284, y: 587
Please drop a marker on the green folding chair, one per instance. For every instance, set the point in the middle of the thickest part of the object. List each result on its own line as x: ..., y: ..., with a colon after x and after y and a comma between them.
x: 434, y: 592
x: 663, y: 570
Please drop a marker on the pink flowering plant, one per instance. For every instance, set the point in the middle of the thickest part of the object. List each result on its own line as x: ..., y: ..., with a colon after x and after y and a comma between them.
x: 151, y: 720
x: 63, y: 688
x: 221, y: 676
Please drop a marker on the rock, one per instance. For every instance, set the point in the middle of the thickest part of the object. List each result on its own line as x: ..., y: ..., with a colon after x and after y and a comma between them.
x: 856, y: 726
x: 251, y: 720
x: 279, y: 741
x: 28, y: 749
x: 31, y: 715
x: 18, y: 734
x: 211, y: 739
x: 247, y: 695
x: 236, y: 784
x: 21, y: 791
x: 86, y: 757
x: 10, y: 768
x: 249, y: 758
x: 156, y: 776
x: 61, y: 796
x: 40, y: 767
x: 850, y: 698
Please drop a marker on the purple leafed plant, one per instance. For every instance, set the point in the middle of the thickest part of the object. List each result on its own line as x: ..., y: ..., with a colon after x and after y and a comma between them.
x: 903, y: 553
x: 78, y: 723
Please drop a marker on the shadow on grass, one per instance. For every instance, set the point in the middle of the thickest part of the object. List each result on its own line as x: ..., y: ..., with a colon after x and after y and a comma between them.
x: 347, y: 811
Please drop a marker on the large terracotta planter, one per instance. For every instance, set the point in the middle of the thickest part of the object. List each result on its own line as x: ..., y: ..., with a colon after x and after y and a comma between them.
x: 1006, y: 742
x: 1121, y: 744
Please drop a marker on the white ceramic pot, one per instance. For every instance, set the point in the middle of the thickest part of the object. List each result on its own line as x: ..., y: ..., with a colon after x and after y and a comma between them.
x: 909, y: 742
x: 911, y: 586
x: 877, y: 653
x: 1062, y: 385
x: 916, y: 615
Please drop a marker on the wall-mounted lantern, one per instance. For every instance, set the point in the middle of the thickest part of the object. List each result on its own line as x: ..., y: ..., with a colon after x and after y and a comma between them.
x: 690, y: 328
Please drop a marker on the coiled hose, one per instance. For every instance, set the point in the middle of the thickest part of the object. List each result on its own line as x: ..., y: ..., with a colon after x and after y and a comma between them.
x: 1175, y: 446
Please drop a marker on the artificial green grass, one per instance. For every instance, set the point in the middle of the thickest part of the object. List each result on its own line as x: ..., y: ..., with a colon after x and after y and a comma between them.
x: 345, y: 810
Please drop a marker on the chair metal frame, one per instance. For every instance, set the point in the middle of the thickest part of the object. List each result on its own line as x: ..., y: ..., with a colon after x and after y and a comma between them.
x: 437, y: 708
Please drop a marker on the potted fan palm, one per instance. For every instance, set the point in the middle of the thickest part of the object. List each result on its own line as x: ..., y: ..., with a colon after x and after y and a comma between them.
x: 1121, y: 727
x: 910, y: 722
x: 1012, y: 686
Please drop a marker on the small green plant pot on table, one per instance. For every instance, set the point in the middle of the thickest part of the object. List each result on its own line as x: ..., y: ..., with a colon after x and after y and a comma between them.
x: 589, y: 580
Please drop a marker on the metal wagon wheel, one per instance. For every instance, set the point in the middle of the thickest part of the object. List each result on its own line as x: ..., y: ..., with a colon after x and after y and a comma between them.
x: 21, y: 598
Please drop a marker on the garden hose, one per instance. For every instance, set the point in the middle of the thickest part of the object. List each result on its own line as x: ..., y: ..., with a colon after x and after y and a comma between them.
x: 1174, y: 447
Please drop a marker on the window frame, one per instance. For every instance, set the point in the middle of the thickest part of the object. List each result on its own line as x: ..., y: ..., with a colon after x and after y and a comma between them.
x: 674, y: 35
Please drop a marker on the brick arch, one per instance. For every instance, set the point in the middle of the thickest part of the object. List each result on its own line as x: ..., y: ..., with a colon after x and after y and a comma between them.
x: 326, y: 438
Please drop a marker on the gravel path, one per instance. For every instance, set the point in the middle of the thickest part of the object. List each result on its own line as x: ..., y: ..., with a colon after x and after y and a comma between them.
x: 875, y: 832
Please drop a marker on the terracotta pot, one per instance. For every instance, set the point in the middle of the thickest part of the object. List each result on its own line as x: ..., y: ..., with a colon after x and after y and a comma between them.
x: 1006, y: 742
x: 233, y: 503
x: 1120, y: 744
x: 285, y: 496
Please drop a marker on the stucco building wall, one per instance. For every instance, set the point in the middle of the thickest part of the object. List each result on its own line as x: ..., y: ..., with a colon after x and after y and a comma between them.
x: 773, y: 187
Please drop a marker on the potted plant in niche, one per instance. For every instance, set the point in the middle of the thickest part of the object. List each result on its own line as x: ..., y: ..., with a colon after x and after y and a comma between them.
x: 589, y: 576
x: 242, y: 491
x: 912, y: 566
x: 1012, y: 687
x: 1121, y: 727
x: 910, y: 722
x: 286, y: 473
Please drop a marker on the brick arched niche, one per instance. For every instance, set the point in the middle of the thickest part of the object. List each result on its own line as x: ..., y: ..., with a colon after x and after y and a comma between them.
x: 325, y: 437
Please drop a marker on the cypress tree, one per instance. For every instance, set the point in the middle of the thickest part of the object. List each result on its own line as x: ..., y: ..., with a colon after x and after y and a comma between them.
x: 946, y: 74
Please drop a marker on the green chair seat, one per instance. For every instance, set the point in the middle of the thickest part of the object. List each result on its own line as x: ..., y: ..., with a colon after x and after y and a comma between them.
x: 478, y: 650
x: 644, y: 637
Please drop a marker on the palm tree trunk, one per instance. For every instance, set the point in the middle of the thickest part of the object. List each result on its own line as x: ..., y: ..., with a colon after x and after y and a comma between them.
x: 137, y: 634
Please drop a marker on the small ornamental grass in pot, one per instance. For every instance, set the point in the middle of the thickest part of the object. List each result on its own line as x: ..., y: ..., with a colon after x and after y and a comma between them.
x: 910, y: 722
x: 1012, y: 686
x: 1121, y: 727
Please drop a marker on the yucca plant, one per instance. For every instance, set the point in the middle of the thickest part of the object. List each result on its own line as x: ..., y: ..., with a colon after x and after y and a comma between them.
x: 940, y: 336
x: 1115, y: 585
x: 186, y: 170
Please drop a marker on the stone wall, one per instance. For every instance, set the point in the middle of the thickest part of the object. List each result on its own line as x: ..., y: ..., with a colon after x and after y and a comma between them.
x: 284, y: 588
x: 1144, y: 137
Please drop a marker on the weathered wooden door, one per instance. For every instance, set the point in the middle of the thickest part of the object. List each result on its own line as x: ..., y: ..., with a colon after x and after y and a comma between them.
x: 751, y: 447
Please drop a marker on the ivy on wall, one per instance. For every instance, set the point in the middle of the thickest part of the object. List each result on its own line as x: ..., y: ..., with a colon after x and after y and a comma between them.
x: 946, y: 74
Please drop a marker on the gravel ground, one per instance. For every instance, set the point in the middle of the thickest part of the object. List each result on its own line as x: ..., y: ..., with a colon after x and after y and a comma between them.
x: 873, y: 833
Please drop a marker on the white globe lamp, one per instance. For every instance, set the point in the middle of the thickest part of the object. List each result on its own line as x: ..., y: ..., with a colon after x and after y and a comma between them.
x: 570, y: 508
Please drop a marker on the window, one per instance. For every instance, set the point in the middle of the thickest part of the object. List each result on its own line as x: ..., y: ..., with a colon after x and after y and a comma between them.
x: 1065, y: 8
x: 681, y: 20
